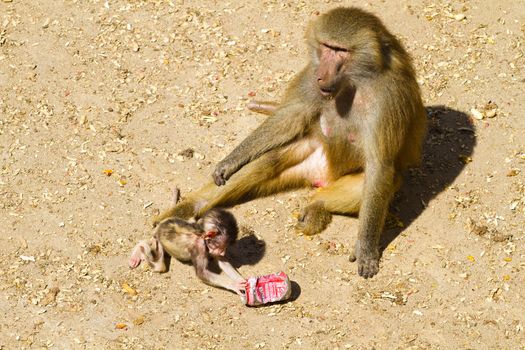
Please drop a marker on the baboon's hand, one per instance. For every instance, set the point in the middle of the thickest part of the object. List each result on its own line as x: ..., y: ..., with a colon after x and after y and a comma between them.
x: 367, y: 261
x: 223, y: 171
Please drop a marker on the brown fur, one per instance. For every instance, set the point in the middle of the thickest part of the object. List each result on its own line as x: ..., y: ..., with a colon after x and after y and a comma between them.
x: 351, y: 121
x: 195, y: 242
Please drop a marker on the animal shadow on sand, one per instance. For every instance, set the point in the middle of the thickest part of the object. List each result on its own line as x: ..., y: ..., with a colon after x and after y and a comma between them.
x: 448, y: 146
x: 249, y: 250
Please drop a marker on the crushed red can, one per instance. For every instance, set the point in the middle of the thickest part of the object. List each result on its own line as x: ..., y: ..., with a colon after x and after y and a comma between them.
x: 267, y: 289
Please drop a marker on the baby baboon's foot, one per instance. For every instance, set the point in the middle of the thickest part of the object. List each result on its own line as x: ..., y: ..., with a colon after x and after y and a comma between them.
x: 137, y: 255
x: 314, y: 219
x: 134, y: 262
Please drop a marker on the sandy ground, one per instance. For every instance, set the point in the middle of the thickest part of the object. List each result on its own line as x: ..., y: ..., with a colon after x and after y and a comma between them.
x: 89, y: 88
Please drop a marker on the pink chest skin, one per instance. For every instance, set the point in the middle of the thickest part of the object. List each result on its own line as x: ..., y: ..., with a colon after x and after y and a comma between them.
x: 327, y: 130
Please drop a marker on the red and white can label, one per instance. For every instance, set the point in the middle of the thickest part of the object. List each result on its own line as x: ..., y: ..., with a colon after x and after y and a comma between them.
x: 267, y: 289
